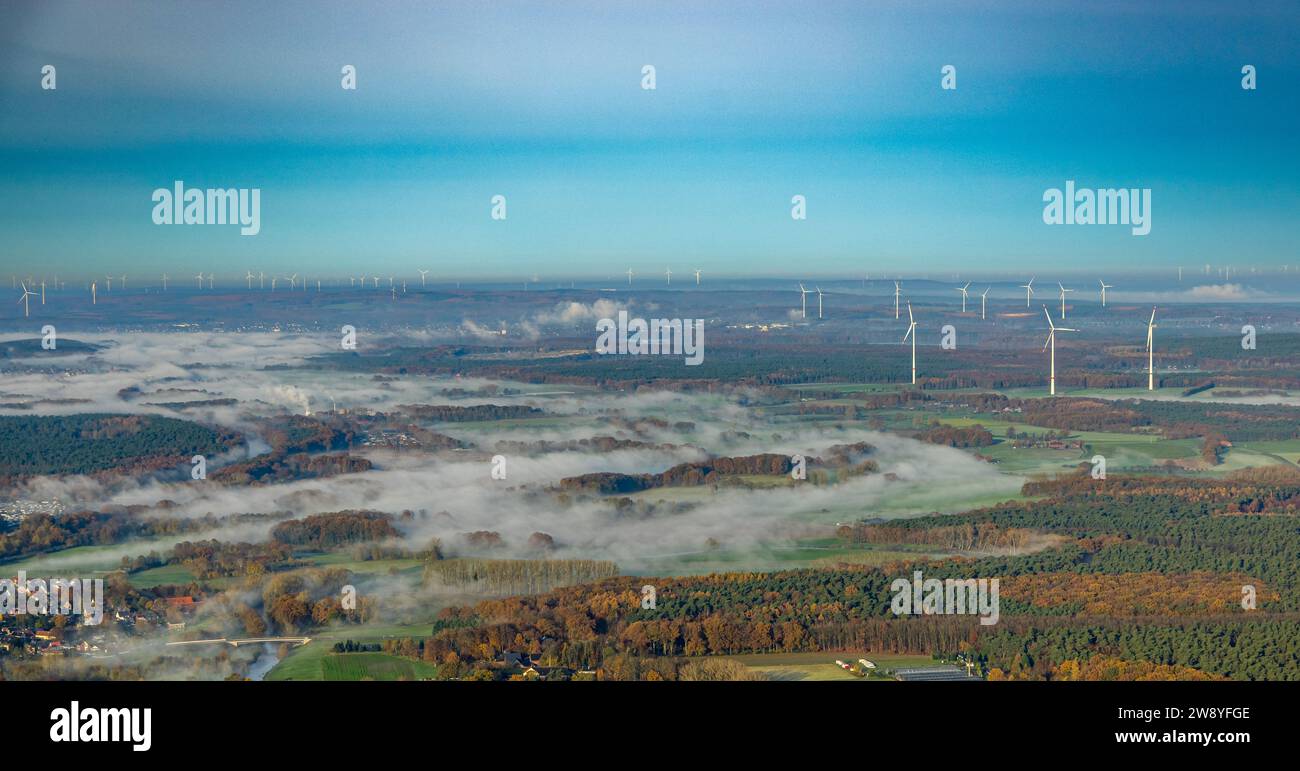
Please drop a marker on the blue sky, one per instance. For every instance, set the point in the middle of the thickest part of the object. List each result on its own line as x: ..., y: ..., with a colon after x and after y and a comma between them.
x: 541, y: 102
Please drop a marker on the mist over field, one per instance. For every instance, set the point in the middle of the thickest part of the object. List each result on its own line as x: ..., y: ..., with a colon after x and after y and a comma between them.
x: 453, y: 492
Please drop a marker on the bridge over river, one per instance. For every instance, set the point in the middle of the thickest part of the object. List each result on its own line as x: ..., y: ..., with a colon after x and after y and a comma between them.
x: 245, y: 641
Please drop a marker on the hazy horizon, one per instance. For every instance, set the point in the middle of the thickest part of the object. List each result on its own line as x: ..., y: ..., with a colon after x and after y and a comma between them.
x: 544, y: 105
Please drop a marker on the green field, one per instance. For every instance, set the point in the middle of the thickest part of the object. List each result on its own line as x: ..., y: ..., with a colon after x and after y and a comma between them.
x: 308, y: 662
x: 88, y: 561
x: 373, y: 666
x: 166, y: 574
x: 342, y: 559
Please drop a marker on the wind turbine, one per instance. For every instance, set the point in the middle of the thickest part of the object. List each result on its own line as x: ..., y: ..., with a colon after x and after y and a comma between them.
x: 200, y: 279
x: 669, y: 273
x: 93, y: 299
x: 123, y: 278
x: 819, y: 302
x: 42, y: 291
x: 1063, y: 291
x: 164, y: 279
x: 1151, y: 351
x: 293, y: 281
x: 629, y: 276
x: 261, y: 280
x: 110, y: 282
x: 803, y: 299
x: 911, y: 332
x: 376, y: 280
x: 273, y: 280
x: 963, y: 289
x: 1029, y: 290
x: 27, y: 311
x: 983, y: 301
x: 422, y: 273
x: 1104, y: 287
x: 1051, y: 340
x: 249, y: 278
x: 697, y: 276
x: 898, y: 289
x: 210, y: 277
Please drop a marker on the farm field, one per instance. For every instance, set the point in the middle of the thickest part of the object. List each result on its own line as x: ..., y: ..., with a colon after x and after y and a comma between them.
x: 166, y: 574
x: 308, y: 662
x: 822, y: 666
x: 373, y: 666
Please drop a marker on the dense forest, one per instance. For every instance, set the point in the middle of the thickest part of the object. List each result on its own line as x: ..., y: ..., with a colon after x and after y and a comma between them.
x: 1142, y: 578
x: 516, y: 576
x: 32, y: 445
x: 341, y: 528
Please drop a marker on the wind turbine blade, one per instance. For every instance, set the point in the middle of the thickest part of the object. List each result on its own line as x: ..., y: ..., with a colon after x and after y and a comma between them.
x: 1050, y: 335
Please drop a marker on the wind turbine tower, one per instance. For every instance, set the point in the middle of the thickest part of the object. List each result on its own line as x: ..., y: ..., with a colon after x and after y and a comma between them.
x: 1051, y: 341
x: 1151, y: 351
x: 911, y: 332
x: 1029, y: 290
x: 1063, y: 291
x: 27, y: 310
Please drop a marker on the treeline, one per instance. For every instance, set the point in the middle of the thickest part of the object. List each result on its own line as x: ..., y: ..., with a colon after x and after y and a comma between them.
x: 681, y: 475
x: 844, y: 459
x: 516, y: 576
x: 965, y: 537
x: 340, y: 528
x: 1175, y: 419
x: 53, y: 532
x: 214, y: 559
x: 598, y: 444
x: 270, y: 468
x: 448, y: 413
x: 955, y: 436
